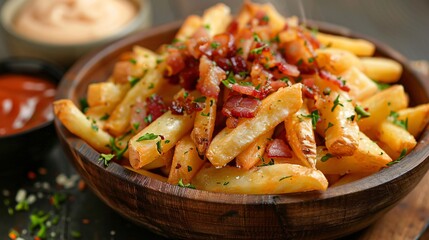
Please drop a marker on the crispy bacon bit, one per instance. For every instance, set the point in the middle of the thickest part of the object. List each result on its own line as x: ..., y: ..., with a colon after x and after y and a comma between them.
x: 174, y: 62
x: 331, y: 78
x: 232, y: 27
x: 240, y: 106
x: 249, y: 90
x: 231, y: 122
x: 309, y: 88
x: 210, y: 78
x: 275, y: 85
x: 189, y: 76
x: 138, y: 114
x: 122, y: 71
x: 155, y: 106
x: 238, y: 64
x: 288, y: 69
x: 182, y: 105
x: 198, y: 39
x: 278, y: 148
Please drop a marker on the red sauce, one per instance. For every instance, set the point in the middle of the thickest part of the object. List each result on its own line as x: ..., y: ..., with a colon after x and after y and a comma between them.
x: 25, y: 102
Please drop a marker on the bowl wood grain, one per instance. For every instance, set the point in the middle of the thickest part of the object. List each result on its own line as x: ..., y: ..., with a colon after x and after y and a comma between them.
x: 183, y: 213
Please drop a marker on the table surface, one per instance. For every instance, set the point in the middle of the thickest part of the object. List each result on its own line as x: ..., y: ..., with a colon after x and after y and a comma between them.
x: 400, y: 24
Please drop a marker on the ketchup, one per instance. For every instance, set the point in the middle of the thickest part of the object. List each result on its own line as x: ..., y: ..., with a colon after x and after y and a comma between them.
x: 25, y: 102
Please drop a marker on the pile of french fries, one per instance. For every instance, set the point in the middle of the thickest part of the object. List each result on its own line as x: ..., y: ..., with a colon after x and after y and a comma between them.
x: 346, y: 132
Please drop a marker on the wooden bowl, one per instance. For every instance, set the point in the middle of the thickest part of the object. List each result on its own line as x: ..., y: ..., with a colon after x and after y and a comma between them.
x: 184, y: 213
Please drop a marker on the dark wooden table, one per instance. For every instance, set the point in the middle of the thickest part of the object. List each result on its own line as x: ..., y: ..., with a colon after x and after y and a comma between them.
x: 401, y: 24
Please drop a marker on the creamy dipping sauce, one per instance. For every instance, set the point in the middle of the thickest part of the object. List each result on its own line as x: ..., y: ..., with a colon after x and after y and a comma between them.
x: 25, y: 102
x: 72, y: 21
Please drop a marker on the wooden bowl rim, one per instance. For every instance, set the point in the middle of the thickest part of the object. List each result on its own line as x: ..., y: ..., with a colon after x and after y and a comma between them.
x: 390, y: 174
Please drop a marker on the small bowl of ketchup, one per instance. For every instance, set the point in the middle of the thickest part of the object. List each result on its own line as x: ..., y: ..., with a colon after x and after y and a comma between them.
x: 27, y: 90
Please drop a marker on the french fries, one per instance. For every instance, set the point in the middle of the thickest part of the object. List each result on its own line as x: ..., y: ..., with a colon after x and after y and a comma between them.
x: 274, y: 179
x: 382, y: 69
x: 368, y: 157
x: 119, y: 121
x: 157, y: 138
x: 273, y: 110
x: 300, y: 135
x: 77, y: 123
x: 286, y: 109
x: 338, y: 123
x: 186, y: 162
x: 381, y: 105
x: 360, y: 47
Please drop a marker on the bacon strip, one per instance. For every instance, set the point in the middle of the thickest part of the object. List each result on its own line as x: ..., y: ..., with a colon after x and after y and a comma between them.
x: 278, y: 148
x: 210, y: 78
x: 239, y: 106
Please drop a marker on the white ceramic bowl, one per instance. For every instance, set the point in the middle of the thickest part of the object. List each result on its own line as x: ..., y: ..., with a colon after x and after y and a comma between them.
x: 63, y: 54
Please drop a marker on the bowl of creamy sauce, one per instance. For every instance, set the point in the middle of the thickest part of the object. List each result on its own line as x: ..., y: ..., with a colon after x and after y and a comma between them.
x: 62, y: 30
x: 27, y: 91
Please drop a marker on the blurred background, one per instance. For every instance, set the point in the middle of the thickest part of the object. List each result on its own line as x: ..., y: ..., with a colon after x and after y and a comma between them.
x: 401, y: 24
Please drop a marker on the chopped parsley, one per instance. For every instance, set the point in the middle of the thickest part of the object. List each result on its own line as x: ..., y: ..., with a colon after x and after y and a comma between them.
x: 271, y: 162
x: 83, y: 104
x: 57, y: 199
x: 229, y: 80
x: 136, y: 126
x: 133, y: 81
x: 266, y: 18
x: 76, y: 234
x: 401, y: 156
x: 314, y: 117
x: 188, y: 185
x: 159, y: 147
x: 285, y: 177
x: 225, y: 183
x: 393, y: 117
x: 189, y: 168
x: 147, y: 136
x: 117, y: 150
x: 133, y: 61
x: 361, y: 112
x: 311, y: 60
x: 200, y: 99
x: 94, y: 126
x: 300, y: 61
x: 329, y: 126
x: 214, y: 45
x: 256, y: 38
x: 105, y: 117
x: 207, y: 26
x: 326, y: 157
x: 336, y: 103
x: 148, y: 118
x: 106, y: 158
x: 381, y: 86
x: 257, y: 50
x: 205, y: 114
x: 151, y: 86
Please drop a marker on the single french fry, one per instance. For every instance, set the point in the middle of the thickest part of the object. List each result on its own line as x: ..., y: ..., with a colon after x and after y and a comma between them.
x: 119, y: 120
x: 360, y: 47
x: 273, y: 110
x: 337, y: 61
x: 361, y: 87
x: 188, y: 28
x: 417, y: 118
x: 382, y: 69
x: 397, y: 138
x: 171, y: 127
x: 186, y: 161
x: 348, y: 178
x: 202, y: 132
x: 147, y: 174
x: 368, y: 157
x: 106, y: 93
x: 300, y: 135
x: 381, y: 105
x: 274, y: 179
x: 144, y: 58
x: 216, y: 19
x: 338, y: 123
x: 78, y: 124
x: 254, y: 152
